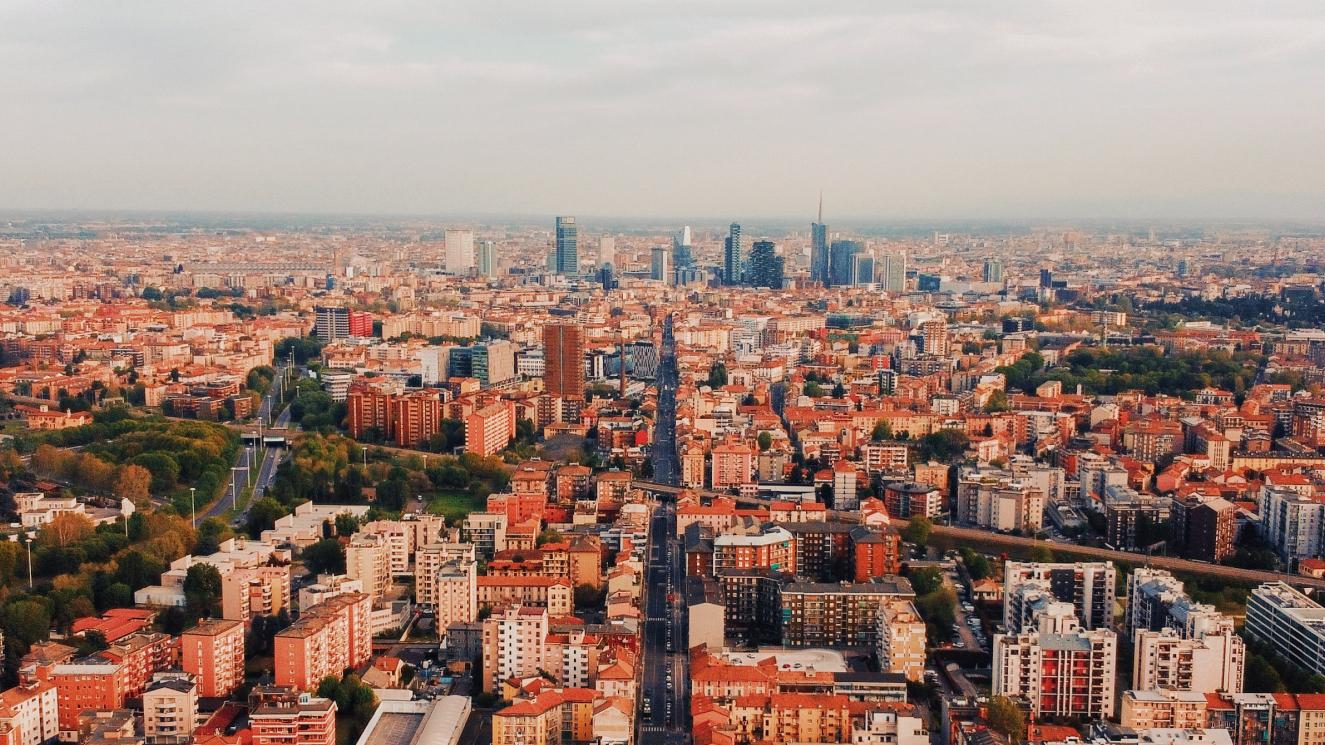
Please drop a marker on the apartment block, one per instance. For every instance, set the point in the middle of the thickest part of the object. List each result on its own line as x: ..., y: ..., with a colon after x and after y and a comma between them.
x: 513, y: 644
x: 170, y: 706
x: 286, y: 717
x: 213, y: 652
x: 368, y: 560
x: 87, y: 683
x: 30, y: 713
x: 996, y: 499
x: 332, y: 636
x: 255, y: 591
x: 901, y: 640
x: 1168, y: 709
x: 843, y: 614
x: 1168, y: 660
x: 490, y: 429
x: 1290, y: 622
x: 554, y: 593
x: 1088, y: 586
x: 1063, y: 669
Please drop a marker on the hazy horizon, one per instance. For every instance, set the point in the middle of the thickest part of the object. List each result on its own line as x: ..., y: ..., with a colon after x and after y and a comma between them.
x: 914, y: 113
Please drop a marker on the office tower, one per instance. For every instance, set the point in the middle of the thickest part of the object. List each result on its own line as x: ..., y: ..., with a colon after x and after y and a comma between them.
x: 487, y: 259
x: 606, y: 250
x: 493, y: 363
x: 607, y: 278
x: 766, y: 267
x: 819, y: 248
x: 993, y: 270
x: 563, y: 348
x: 862, y: 268
x: 568, y: 247
x: 682, y: 256
x: 1183, y: 267
x: 1046, y: 278
x: 460, y: 252
x: 841, y: 261
x: 892, y: 273
x: 732, y: 255
x: 660, y: 269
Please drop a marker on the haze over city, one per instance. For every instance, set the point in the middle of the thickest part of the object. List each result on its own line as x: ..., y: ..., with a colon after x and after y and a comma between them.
x: 686, y: 110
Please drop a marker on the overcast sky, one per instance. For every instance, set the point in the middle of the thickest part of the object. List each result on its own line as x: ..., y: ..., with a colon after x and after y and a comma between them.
x: 671, y: 109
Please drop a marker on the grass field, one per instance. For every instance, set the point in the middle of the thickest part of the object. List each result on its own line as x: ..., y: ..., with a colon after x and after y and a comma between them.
x: 455, y: 505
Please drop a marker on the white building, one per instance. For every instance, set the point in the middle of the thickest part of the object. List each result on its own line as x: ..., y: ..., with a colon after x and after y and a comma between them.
x: 1088, y: 586
x: 1061, y: 668
x: 460, y: 252
x: 1290, y: 622
x: 1207, y: 664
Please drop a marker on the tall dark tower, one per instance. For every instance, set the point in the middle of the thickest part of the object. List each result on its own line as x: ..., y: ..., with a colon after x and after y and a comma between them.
x: 666, y: 461
x: 819, y: 247
x: 732, y: 255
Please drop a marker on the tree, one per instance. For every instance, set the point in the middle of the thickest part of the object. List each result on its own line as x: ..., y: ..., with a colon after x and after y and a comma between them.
x: 998, y: 401
x: 1041, y: 555
x: 202, y: 591
x: 944, y: 445
x: 326, y: 556
x: 918, y: 530
x: 717, y: 375
x: 882, y: 431
x: 925, y: 581
x: 765, y: 440
x: 346, y: 524
x: 137, y: 570
x: 1006, y: 719
x: 813, y: 390
x: 133, y: 483
x: 839, y: 391
x: 164, y: 469
x: 66, y: 528
x: 263, y: 515
x: 28, y: 621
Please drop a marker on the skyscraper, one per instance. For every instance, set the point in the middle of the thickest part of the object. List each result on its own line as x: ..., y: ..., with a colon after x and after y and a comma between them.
x: 568, y: 248
x: 606, y: 250
x: 993, y: 271
x: 459, y: 252
x: 563, y: 350
x: 682, y: 257
x: 732, y: 256
x: 766, y: 267
x: 819, y: 248
x: 842, y: 260
x: 892, y: 276
x: 862, y: 268
x: 487, y: 259
x: 660, y: 267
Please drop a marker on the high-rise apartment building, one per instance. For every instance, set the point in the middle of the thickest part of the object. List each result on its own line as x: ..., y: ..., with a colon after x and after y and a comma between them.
x: 567, y: 257
x: 1088, y: 586
x: 606, y: 251
x: 1061, y: 668
x: 170, y: 706
x: 460, y: 252
x: 513, y: 644
x: 733, y: 256
x: 334, y: 635
x: 841, y: 614
x: 213, y: 652
x: 490, y: 429
x: 993, y: 270
x: 766, y: 267
x: 1290, y: 623
x: 368, y: 560
x: 563, y: 348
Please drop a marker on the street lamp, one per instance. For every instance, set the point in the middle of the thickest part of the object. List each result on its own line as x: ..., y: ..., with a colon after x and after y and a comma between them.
x: 27, y: 540
x: 194, y: 504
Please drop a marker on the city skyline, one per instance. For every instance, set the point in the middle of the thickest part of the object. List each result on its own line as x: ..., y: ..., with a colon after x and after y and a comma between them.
x: 914, y: 112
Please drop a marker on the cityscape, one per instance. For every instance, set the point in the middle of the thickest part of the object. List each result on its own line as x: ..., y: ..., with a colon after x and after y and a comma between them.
x: 586, y: 413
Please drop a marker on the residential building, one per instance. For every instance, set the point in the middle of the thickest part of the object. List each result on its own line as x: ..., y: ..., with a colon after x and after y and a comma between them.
x: 901, y: 640
x: 30, y: 713
x: 459, y: 252
x: 514, y: 639
x: 1063, y: 669
x: 1088, y: 586
x: 332, y: 636
x: 368, y: 560
x: 1290, y: 623
x: 170, y: 708
x: 255, y: 591
x: 284, y: 716
x: 837, y: 614
x: 213, y: 652
x: 490, y: 429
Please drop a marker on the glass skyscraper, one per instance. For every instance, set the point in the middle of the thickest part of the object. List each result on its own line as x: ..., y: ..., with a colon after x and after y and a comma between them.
x: 568, y: 249
x: 732, y: 256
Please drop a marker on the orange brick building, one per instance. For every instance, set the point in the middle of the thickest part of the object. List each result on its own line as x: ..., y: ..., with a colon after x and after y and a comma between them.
x: 213, y: 651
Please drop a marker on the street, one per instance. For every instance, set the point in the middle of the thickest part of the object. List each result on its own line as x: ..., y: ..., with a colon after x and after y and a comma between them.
x: 245, y: 458
x: 665, y: 681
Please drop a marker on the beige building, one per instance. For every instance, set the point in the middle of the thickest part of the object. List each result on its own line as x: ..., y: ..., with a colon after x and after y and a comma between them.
x: 535, y: 722
x: 901, y: 642
x: 368, y: 559
x: 255, y: 591
x: 1064, y: 670
x: 170, y: 706
x: 514, y: 640
x: 1169, y: 709
x: 1211, y: 663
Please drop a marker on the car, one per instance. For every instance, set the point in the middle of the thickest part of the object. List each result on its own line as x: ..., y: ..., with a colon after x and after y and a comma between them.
x: 968, y: 607
x: 959, y: 644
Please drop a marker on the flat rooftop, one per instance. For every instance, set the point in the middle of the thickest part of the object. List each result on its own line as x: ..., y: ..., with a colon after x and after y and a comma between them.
x: 795, y: 660
x: 394, y: 729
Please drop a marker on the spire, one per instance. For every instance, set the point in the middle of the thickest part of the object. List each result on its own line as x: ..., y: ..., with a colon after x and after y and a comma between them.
x: 821, y: 206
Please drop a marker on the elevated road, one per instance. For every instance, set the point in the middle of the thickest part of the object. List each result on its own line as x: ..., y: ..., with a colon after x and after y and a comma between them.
x: 973, y: 536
